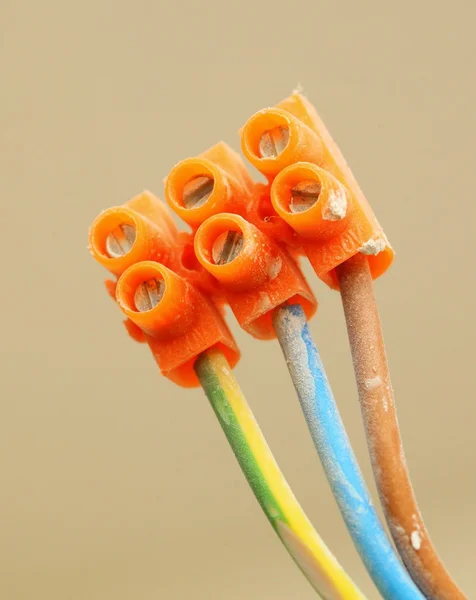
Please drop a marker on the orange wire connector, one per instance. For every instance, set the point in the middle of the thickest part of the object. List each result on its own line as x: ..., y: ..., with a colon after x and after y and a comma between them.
x: 140, y: 229
x: 256, y: 275
x: 215, y: 182
x: 313, y: 189
x: 178, y: 321
x: 160, y: 286
x: 273, y: 139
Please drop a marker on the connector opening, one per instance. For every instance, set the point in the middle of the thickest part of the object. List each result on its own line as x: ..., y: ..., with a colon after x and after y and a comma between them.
x: 220, y: 241
x: 304, y: 195
x: 148, y: 294
x: 273, y: 142
x: 267, y: 135
x: 191, y: 184
x: 295, y: 191
x: 227, y: 247
x: 114, y: 233
x: 197, y: 191
x: 142, y: 289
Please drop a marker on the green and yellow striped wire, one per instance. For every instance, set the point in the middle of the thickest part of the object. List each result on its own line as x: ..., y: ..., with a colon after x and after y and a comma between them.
x: 267, y: 482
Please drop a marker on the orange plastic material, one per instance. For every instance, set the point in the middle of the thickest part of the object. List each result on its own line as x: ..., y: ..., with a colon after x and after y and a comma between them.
x: 232, y: 185
x: 260, y: 278
x: 110, y: 286
x: 133, y: 330
x: 181, y: 326
x: 190, y: 269
x: 262, y: 215
x: 302, y: 145
x: 156, y: 235
x: 155, y: 210
x: 362, y: 232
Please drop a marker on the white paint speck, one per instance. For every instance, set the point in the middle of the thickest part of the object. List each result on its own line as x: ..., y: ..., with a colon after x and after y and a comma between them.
x: 336, y: 205
x: 265, y: 303
x: 400, y: 530
x: 416, y: 540
x: 373, y: 383
x: 275, y: 268
x: 298, y: 89
x: 385, y: 403
x: 373, y: 246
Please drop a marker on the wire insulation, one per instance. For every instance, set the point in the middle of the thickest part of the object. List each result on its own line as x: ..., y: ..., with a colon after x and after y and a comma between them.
x: 383, y: 433
x: 337, y: 457
x: 267, y: 482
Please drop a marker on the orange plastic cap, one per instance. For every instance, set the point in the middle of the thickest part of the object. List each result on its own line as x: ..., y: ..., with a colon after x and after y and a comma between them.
x: 310, y: 200
x: 215, y: 182
x: 155, y: 299
x: 256, y: 275
x: 273, y: 139
x: 234, y: 251
x: 178, y: 322
x: 120, y: 237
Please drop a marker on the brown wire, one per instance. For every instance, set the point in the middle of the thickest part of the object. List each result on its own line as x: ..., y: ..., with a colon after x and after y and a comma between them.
x: 383, y: 434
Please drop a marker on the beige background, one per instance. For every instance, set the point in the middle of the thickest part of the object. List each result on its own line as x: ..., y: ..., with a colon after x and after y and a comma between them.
x: 116, y: 485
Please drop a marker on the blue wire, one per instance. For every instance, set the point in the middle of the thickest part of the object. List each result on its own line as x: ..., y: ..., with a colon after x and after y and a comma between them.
x: 340, y: 465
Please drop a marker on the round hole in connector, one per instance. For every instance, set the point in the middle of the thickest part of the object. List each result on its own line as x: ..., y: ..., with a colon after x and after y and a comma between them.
x: 304, y: 195
x: 120, y: 240
x: 273, y: 142
x: 197, y: 191
x: 148, y: 294
x: 227, y: 247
